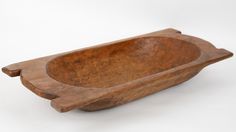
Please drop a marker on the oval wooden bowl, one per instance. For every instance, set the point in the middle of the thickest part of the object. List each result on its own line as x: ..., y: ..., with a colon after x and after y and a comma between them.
x: 118, y: 72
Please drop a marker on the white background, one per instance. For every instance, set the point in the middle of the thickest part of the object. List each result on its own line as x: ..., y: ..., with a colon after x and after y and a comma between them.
x: 34, y: 28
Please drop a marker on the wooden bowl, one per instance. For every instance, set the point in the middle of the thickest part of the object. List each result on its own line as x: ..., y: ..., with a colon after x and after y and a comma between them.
x: 118, y: 72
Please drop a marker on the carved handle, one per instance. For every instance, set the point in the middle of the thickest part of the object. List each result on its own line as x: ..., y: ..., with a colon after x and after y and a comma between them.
x: 217, y: 55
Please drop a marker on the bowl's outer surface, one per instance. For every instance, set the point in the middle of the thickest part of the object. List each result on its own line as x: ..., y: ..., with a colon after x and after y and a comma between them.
x: 108, y: 75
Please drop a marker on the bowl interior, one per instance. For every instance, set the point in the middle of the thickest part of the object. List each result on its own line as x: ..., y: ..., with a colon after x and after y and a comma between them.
x: 111, y: 65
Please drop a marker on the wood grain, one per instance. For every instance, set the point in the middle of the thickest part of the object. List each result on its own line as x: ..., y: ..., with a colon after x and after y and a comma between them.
x: 118, y: 72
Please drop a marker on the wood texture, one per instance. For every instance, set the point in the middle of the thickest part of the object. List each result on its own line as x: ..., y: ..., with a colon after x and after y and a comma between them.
x: 118, y: 72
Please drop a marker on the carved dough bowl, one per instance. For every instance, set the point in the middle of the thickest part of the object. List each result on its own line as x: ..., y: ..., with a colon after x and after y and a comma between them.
x: 115, y: 73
